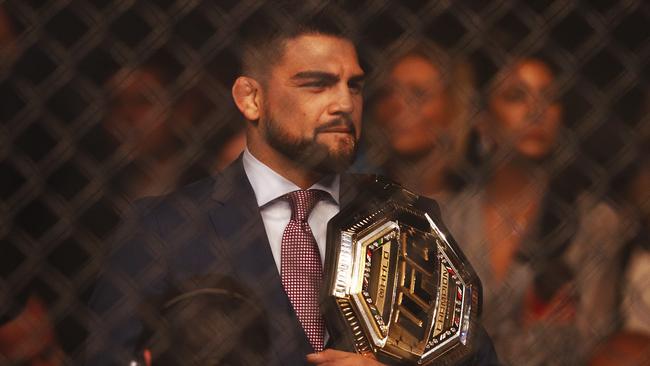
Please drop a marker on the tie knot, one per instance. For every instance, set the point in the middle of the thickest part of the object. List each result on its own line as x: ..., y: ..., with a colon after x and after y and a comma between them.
x: 302, y: 202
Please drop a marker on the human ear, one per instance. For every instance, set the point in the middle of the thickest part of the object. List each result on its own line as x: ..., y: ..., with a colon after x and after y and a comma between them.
x: 246, y: 93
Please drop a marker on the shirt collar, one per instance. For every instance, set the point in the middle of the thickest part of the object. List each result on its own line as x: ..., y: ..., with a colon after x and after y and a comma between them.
x: 269, y: 185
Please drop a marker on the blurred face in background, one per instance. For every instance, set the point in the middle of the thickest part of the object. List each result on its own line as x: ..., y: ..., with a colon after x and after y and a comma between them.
x: 7, y: 38
x: 139, y: 112
x: 523, y: 110
x: 29, y: 340
x: 414, y: 109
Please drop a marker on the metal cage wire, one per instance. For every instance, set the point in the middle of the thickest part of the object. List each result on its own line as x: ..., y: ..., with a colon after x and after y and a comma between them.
x: 66, y: 66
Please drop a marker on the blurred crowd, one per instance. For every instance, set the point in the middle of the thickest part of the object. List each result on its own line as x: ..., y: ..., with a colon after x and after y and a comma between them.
x: 564, y: 260
x: 564, y: 267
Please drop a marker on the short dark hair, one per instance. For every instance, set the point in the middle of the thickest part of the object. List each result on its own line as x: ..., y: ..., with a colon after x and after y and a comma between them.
x: 265, y: 33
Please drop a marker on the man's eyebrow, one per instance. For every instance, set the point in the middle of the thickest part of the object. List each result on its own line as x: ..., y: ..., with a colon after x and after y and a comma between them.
x: 359, y: 78
x: 322, y: 75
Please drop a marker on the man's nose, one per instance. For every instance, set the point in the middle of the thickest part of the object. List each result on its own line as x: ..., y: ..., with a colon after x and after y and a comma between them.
x: 343, y: 101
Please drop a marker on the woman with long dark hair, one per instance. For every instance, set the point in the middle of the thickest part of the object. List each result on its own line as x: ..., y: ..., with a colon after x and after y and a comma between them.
x: 547, y: 251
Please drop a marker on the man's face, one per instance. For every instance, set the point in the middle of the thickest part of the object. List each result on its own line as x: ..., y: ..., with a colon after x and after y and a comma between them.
x: 312, y: 105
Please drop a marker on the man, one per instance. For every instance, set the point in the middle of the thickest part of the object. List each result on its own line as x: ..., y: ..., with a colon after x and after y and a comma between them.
x: 300, y: 93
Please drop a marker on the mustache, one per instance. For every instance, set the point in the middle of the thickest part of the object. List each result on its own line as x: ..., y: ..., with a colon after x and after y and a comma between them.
x: 340, y: 123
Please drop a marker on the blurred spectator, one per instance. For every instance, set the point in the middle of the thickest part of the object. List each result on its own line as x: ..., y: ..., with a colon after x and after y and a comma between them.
x: 9, y: 105
x: 549, y: 254
x: 139, y: 119
x: 229, y: 150
x: 636, y: 295
x: 418, y: 120
x: 227, y: 138
x: 631, y: 345
x: 624, y: 349
x: 141, y: 148
x: 7, y: 39
x: 136, y: 150
x: 29, y: 339
x: 153, y: 131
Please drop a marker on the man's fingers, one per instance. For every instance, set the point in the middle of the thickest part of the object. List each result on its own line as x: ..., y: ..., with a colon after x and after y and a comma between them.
x: 340, y: 358
x: 328, y: 355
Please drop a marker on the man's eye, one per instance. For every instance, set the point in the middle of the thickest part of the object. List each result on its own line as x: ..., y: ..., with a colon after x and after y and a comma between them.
x: 315, y: 84
x: 356, y: 88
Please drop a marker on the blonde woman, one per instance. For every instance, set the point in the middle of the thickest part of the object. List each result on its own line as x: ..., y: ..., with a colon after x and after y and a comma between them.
x: 418, y: 117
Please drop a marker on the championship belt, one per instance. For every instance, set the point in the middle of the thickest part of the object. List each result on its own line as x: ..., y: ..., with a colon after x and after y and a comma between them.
x: 397, y: 284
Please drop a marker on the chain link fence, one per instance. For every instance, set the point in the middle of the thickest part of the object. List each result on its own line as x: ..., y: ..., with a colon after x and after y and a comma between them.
x: 106, y: 101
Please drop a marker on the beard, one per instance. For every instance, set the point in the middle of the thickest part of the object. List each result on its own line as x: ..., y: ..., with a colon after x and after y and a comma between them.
x: 310, y: 153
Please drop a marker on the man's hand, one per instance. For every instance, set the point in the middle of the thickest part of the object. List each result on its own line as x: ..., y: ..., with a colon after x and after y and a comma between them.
x: 331, y: 357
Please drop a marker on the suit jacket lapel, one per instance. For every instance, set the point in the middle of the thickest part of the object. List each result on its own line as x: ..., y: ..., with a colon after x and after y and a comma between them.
x: 239, y: 224
x: 350, y: 188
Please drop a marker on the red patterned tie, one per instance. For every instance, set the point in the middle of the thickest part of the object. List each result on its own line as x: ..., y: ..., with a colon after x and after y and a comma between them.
x: 301, y: 266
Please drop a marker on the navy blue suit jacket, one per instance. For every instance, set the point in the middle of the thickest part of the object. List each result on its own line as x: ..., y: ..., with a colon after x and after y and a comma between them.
x: 212, y: 227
